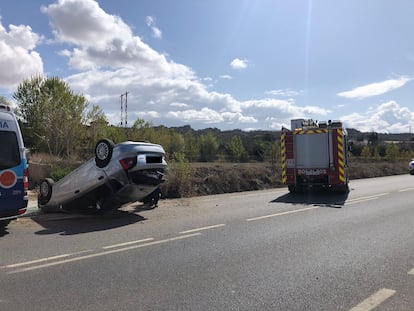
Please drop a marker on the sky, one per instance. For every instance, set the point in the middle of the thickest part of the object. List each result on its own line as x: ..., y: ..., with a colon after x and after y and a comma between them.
x: 233, y: 64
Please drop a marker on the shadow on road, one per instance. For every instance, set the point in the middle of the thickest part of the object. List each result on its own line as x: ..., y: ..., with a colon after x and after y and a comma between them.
x: 70, y: 224
x: 3, y: 231
x: 319, y: 198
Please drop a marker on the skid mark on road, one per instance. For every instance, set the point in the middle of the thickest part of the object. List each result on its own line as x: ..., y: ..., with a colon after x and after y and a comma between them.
x: 374, y: 300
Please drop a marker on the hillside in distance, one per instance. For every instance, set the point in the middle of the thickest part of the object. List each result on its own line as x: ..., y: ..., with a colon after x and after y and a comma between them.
x: 269, y: 136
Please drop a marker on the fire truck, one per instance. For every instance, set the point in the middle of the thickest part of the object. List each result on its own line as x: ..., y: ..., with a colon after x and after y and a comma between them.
x: 315, y: 154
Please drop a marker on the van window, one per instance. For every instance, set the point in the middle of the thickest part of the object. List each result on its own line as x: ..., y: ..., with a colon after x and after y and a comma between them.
x: 9, y: 155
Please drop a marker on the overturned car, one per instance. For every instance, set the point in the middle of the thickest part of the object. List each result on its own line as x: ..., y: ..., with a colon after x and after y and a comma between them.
x: 119, y: 174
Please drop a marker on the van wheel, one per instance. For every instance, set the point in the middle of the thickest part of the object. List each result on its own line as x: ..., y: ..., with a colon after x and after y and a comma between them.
x: 103, y: 152
x: 46, y: 186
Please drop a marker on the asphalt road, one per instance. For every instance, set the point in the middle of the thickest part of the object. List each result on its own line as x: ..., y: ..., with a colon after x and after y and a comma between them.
x: 261, y: 250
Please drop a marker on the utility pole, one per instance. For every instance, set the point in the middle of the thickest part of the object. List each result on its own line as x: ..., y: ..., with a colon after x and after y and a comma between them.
x: 124, y: 117
x: 126, y: 109
x: 122, y: 110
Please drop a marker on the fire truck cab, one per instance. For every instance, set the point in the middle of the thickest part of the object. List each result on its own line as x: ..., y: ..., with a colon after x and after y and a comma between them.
x: 315, y: 155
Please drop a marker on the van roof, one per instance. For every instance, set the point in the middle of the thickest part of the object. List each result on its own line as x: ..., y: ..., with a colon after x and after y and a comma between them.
x: 4, y: 107
x: 8, y: 121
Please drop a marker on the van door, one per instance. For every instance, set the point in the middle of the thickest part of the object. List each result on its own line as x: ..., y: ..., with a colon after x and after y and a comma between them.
x: 13, y: 176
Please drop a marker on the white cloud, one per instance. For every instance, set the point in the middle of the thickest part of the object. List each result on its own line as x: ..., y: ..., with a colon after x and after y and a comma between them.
x: 237, y: 117
x: 239, y: 63
x: 205, y: 115
x: 102, y: 40
x: 180, y: 105
x: 111, y: 60
x: 156, y: 32
x: 283, y: 93
x: 388, y: 117
x: 18, y: 59
x: 148, y: 114
x: 285, y: 106
x: 376, y: 88
x: 93, y: 26
x: 227, y: 77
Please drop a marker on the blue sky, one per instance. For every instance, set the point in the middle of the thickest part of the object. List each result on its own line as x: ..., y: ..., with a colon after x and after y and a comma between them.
x: 233, y: 64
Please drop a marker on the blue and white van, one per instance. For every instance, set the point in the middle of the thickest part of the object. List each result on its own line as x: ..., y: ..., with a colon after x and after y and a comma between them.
x: 13, y: 168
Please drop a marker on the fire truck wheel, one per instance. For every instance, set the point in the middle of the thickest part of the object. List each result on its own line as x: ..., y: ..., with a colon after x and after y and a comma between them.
x: 341, y: 189
x: 294, y: 189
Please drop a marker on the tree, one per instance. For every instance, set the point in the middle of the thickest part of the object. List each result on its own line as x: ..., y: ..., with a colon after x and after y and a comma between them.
x: 392, y: 151
x: 142, y: 130
x: 4, y: 101
x: 53, y: 117
x: 192, y: 148
x: 373, y: 139
x: 366, y: 152
x: 236, y: 149
x: 177, y: 143
x: 275, y: 152
x: 98, y: 124
x: 31, y: 112
x: 208, y: 147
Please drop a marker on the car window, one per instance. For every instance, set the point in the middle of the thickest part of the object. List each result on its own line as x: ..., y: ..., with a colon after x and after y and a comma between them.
x: 9, y: 155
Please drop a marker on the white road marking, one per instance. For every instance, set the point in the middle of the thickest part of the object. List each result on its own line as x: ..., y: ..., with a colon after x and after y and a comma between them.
x: 44, y: 259
x: 127, y: 243
x: 202, y: 228
x: 375, y: 300
x: 407, y: 189
x: 364, y: 199
x: 411, y: 271
x: 360, y: 201
x: 102, y: 253
x: 283, y: 213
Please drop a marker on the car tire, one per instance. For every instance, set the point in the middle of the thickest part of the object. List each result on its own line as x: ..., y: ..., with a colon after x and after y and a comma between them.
x: 45, y: 190
x: 103, y: 152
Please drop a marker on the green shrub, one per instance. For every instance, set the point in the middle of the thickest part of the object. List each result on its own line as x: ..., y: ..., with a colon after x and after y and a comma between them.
x: 60, y: 170
x: 179, y: 177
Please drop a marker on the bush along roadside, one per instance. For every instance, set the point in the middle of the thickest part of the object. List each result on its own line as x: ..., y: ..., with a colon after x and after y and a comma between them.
x: 185, y: 179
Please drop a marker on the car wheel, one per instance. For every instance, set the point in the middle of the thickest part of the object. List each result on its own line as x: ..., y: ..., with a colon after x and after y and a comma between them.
x: 46, y: 186
x: 103, y: 152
